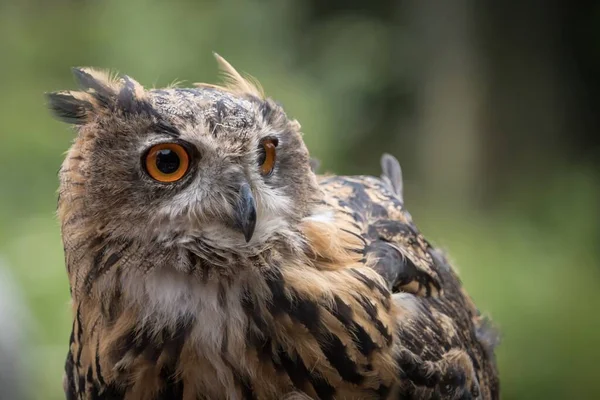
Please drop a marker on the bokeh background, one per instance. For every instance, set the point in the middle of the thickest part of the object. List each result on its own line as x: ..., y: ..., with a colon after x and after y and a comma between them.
x: 491, y: 108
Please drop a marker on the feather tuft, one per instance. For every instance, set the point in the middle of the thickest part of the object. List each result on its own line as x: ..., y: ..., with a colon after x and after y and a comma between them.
x: 234, y: 82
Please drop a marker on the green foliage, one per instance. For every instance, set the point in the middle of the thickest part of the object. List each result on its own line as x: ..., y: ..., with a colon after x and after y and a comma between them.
x: 531, y: 264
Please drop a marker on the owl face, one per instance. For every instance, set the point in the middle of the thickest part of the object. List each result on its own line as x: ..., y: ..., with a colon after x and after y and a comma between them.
x: 220, y: 165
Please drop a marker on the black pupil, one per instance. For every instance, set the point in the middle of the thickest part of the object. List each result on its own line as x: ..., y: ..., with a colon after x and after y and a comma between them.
x: 167, y: 161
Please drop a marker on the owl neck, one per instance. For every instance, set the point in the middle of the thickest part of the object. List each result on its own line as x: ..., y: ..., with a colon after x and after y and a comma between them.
x: 119, y: 273
x: 99, y: 259
x: 123, y: 289
x: 166, y: 320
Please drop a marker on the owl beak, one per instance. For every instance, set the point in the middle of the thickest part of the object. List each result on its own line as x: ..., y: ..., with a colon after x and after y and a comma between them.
x: 245, y: 217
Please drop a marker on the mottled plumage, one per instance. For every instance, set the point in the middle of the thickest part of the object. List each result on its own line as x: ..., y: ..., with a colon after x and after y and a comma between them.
x: 242, y: 282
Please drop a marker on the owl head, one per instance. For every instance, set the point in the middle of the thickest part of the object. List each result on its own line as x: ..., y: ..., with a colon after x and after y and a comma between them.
x: 218, y: 165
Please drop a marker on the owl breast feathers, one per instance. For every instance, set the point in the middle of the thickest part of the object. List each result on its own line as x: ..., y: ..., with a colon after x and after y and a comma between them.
x: 206, y: 260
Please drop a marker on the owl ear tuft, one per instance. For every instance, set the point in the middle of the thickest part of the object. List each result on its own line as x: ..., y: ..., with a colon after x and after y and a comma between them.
x: 77, y: 107
x: 92, y: 79
x: 98, y: 83
x: 236, y: 83
x: 70, y: 107
x: 131, y: 97
x: 101, y: 94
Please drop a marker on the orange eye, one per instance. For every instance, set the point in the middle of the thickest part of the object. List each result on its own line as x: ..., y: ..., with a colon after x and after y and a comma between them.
x: 167, y: 162
x: 266, y: 158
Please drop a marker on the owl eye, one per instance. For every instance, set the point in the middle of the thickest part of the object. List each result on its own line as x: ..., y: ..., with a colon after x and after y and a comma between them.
x: 266, y: 156
x: 167, y: 162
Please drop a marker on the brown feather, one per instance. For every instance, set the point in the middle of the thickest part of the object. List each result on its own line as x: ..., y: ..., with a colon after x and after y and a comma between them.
x: 337, y: 295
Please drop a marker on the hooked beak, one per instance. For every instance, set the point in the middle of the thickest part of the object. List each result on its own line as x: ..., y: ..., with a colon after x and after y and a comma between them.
x: 245, y: 213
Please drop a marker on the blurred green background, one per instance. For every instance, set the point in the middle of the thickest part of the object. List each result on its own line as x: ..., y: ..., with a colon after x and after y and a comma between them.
x: 491, y: 109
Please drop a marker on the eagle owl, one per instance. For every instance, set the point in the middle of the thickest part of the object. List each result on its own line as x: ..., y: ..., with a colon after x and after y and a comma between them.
x: 206, y: 259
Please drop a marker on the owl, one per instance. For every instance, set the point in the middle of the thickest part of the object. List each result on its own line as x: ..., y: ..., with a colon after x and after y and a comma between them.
x: 207, y: 260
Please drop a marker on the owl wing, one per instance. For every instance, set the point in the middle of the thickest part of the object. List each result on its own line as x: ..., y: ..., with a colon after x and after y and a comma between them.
x: 392, y: 244
x: 445, y: 347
